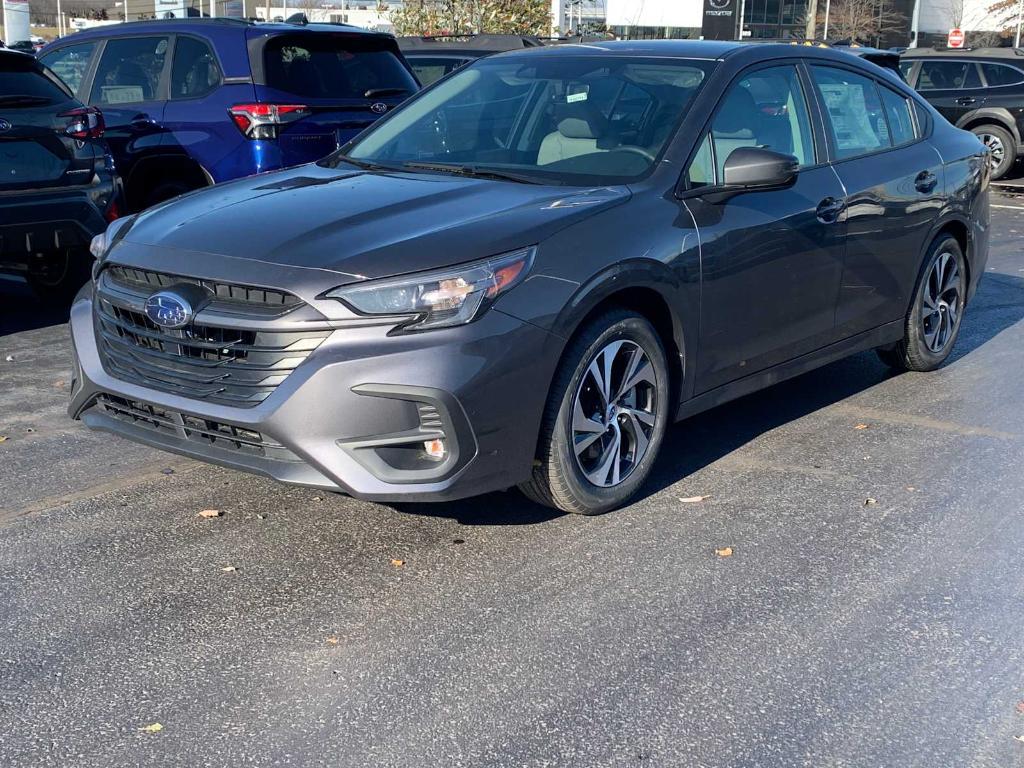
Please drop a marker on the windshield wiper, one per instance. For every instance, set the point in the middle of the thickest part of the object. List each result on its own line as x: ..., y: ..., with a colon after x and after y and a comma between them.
x: 375, y: 92
x: 22, y: 98
x: 364, y: 164
x: 477, y: 172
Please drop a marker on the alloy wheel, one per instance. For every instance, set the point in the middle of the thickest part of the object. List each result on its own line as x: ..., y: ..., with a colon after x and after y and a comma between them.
x: 614, y: 413
x: 941, y: 302
x: 996, y: 149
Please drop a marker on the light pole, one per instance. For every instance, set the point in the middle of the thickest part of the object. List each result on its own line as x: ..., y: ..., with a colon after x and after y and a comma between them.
x: 828, y: 7
x: 1020, y: 18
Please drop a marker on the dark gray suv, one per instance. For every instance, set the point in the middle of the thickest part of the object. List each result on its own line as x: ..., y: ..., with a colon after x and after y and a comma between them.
x: 527, y: 272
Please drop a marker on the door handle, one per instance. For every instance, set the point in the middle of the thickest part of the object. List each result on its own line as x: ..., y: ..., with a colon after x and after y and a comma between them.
x: 828, y: 210
x: 966, y: 101
x: 142, y: 121
x: 925, y: 181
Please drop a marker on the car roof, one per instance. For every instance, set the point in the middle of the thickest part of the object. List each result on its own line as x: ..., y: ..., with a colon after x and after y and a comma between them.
x: 683, y: 49
x: 221, y: 23
x: 983, y: 53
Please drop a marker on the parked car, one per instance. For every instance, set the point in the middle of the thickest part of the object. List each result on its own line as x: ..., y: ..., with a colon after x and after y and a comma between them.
x: 25, y: 46
x: 528, y: 272
x: 979, y: 90
x: 432, y: 58
x: 191, y: 102
x: 58, y: 187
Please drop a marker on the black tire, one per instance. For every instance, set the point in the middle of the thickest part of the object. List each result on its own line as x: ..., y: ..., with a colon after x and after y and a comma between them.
x: 558, y: 478
x: 57, y: 277
x: 1000, y: 142
x: 920, y: 350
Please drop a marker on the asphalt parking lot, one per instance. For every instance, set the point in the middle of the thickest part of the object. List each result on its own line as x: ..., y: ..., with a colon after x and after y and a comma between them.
x: 870, y: 614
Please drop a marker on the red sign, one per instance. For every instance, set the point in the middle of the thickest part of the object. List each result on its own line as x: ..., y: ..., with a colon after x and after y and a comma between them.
x: 956, y: 38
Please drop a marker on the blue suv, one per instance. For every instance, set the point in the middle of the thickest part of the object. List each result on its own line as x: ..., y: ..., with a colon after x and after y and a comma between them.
x: 193, y: 102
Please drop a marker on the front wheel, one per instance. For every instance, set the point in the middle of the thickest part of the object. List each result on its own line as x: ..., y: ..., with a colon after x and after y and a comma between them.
x: 56, y: 277
x: 933, y: 322
x: 605, y: 418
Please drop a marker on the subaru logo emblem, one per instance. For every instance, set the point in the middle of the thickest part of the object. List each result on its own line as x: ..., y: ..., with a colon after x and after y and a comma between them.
x: 379, y: 107
x: 169, y: 310
x: 5, y: 125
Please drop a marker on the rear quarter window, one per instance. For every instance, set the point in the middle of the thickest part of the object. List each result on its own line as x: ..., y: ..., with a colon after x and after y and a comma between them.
x: 1001, y: 74
x: 316, y: 66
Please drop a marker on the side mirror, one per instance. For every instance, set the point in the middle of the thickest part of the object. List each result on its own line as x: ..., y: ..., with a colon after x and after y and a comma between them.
x: 758, y: 168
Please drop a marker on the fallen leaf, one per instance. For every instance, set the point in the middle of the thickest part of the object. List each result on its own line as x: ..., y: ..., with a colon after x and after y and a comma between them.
x: 724, y: 552
x: 332, y: 640
x: 694, y: 499
x: 869, y: 502
x: 458, y: 541
x: 318, y: 498
x: 167, y: 471
x: 210, y: 513
x: 1019, y: 738
x: 1020, y: 707
x: 261, y: 517
x: 60, y: 384
x: 911, y: 488
x: 397, y: 563
x: 9, y: 358
x: 861, y: 426
x: 3, y: 438
x: 152, y: 728
x: 229, y: 569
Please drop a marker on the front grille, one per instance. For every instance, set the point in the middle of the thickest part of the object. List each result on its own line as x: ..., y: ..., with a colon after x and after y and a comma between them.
x: 224, y: 365
x: 243, y: 296
x: 192, y: 428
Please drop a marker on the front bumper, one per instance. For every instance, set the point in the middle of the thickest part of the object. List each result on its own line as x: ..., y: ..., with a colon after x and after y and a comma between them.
x: 331, y: 422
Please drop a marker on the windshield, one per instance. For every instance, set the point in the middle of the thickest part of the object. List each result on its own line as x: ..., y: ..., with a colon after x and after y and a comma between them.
x: 573, y: 120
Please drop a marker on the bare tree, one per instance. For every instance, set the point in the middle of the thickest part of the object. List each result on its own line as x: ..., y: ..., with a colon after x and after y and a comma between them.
x: 862, y: 21
x: 462, y: 17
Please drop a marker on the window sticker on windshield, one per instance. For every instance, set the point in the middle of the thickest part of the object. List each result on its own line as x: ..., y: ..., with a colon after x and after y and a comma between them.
x: 161, y: 48
x: 577, y: 93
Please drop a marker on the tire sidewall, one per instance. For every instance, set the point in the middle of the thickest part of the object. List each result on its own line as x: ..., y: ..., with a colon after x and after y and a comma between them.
x: 1009, y: 147
x: 627, y: 328
x: 917, y: 348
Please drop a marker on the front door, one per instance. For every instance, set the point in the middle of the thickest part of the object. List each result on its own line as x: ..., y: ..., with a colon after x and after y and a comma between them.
x: 771, y: 260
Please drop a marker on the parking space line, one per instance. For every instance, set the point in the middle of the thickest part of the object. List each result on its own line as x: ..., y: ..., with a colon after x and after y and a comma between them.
x: 1007, y: 207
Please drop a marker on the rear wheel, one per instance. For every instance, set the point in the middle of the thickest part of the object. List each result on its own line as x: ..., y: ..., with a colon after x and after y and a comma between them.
x: 605, y: 418
x: 932, y: 324
x: 1001, y: 146
x: 56, y: 277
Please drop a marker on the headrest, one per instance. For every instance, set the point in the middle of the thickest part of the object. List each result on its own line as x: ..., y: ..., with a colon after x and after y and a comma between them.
x: 578, y: 121
x: 739, y: 113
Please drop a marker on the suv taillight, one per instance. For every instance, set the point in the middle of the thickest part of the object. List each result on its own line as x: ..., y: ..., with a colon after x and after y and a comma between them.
x: 261, y: 121
x: 84, y: 123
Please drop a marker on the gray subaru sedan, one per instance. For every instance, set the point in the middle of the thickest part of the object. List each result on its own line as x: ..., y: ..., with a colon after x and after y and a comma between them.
x: 527, y: 272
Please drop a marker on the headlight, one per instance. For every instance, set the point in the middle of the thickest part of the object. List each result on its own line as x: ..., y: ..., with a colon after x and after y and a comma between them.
x: 100, y: 245
x: 440, y: 299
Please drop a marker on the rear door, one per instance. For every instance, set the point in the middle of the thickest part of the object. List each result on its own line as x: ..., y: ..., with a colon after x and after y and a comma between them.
x: 130, y: 88
x: 894, y: 187
x: 35, y: 150
x: 196, y: 115
x: 345, y: 81
x: 952, y: 86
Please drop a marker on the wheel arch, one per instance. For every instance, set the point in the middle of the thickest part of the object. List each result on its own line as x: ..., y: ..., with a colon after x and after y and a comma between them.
x: 991, y: 116
x: 643, y: 286
x: 165, y: 168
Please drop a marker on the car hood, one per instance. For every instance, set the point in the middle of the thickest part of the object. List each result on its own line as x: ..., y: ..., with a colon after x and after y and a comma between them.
x: 365, y: 224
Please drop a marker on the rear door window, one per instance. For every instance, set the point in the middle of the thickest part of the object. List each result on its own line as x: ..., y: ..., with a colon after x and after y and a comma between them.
x: 195, y: 71
x: 129, y: 70
x: 947, y: 75
x: 855, y: 117
x: 334, y: 67
x: 1001, y: 74
x: 24, y: 83
x: 70, y: 63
